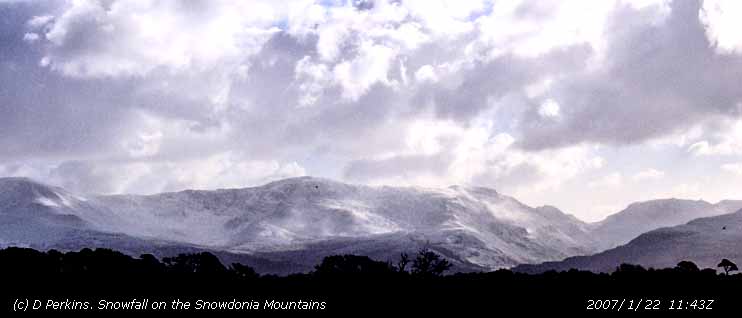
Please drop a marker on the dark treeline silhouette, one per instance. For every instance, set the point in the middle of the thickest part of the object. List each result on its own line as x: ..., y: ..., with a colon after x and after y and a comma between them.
x: 351, y: 282
x: 101, y: 261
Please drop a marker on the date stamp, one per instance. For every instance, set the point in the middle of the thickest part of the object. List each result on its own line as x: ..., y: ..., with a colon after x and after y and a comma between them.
x: 649, y: 304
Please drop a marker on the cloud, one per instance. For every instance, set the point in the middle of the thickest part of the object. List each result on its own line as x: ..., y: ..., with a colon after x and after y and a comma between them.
x: 30, y: 37
x: 735, y: 168
x: 124, y: 38
x: 657, y: 78
x: 530, y: 97
x: 369, y: 68
x: 425, y: 73
x: 649, y: 174
x: 441, y: 153
x: 222, y: 170
x: 608, y: 181
x: 724, y: 139
x: 549, y: 109
x: 722, y: 20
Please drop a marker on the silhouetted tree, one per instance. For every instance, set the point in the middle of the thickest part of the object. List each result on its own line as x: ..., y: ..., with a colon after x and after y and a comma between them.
x: 708, y: 271
x: 199, y: 263
x: 351, y: 265
x: 150, y: 264
x: 687, y: 266
x: 404, y: 259
x: 105, y: 271
x: 728, y: 266
x: 428, y: 264
x: 629, y: 268
x: 244, y: 271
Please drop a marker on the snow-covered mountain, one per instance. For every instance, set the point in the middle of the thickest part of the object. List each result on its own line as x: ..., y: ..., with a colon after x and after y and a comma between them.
x: 641, y: 217
x: 302, y: 220
x: 43, y: 217
x: 704, y: 241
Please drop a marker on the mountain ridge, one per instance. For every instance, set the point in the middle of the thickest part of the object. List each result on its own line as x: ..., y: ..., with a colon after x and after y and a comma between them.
x: 704, y: 241
x: 478, y: 226
x: 297, y: 221
x: 643, y: 216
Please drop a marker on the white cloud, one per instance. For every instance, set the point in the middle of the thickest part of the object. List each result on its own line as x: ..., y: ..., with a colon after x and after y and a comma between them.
x: 425, y: 73
x: 30, y: 37
x: 549, y: 109
x: 727, y: 140
x: 126, y: 38
x: 223, y: 170
x: 608, y: 181
x: 649, y: 174
x: 735, y: 168
x: 39, y: 21
x: 145, y: 144
x: 369, y: 68
x: 440, y: 153
x: 679, y: 139
x: 226, y: 170
x: 539, y: 88
x: 533, y: 28
x: 723, y: 20
x: 331, y: 38
x: 312, y: 78
x: 445, y: 17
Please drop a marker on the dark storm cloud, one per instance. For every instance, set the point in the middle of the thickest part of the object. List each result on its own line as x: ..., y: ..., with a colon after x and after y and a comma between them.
x: 658, y: 79
x: 39, y: 116
x: 497, y: 78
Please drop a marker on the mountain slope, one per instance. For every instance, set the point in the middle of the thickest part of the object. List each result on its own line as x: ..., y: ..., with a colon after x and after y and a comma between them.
x: 704, y: 241
x: 641, y: 217
x: 484, y: 227
x: 42, y: 217
x: 477, y: 227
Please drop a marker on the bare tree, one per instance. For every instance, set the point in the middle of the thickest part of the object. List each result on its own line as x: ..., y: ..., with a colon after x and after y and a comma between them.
x: 428, y: 264
x: 404, y: 259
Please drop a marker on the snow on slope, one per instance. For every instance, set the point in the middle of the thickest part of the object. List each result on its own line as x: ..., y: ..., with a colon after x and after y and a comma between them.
x: 704, y: 241
x: 292, y: 213
x: 478, y: 225
x: 641, y: 217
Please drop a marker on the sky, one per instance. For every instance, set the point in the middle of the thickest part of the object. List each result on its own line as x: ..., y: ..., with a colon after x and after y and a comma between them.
x: 583, y: 105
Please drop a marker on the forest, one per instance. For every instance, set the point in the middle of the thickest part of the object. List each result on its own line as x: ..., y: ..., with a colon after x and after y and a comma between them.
x: 349, y: 283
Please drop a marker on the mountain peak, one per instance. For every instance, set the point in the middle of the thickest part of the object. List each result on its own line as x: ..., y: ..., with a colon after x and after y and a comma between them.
x: 18, y: 180
x: 666, y: 201
x: 21, y: 190
x: 24, y: 187
x: 640, y: 217
x: 309, y: 183
x: 302, y: 180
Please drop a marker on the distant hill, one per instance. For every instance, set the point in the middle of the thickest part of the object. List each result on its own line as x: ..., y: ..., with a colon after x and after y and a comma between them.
x: 704, y: 241
x: 641, y: 217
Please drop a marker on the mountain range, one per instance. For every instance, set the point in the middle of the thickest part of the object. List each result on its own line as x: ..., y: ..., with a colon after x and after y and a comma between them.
x: 290, y: 225
x: 704, y: 241
x: 641, y: 217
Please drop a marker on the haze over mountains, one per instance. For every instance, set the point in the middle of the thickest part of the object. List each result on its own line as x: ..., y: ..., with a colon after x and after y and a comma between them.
x: 289, y: 225
x: 641, y: 217
x: 704, y: 241
x: 661, y: 233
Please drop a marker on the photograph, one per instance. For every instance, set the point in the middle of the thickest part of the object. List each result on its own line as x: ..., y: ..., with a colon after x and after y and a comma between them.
x: 384, y: 158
